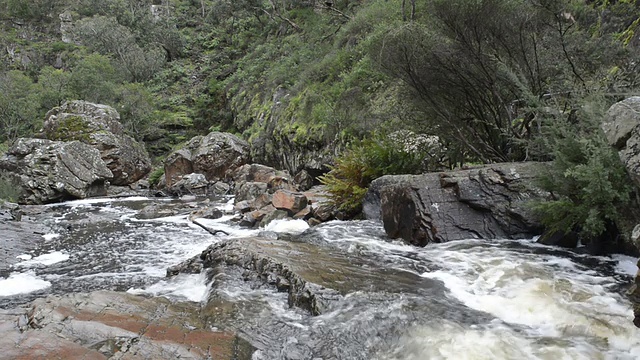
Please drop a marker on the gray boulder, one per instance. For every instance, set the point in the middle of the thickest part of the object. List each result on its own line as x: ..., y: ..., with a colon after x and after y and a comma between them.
x: 623, y: 133
x: 213, y: 155
x: 50, y: 171
x: 484, y: 203
x: 99, y: 126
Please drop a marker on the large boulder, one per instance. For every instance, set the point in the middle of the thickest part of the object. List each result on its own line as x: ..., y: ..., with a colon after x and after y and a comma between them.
x: 623, y: 133
x: 50, y: 171
x: 621, y: 127
x: 213, y: 155
x: 99, y: 126
x: 486, y: 202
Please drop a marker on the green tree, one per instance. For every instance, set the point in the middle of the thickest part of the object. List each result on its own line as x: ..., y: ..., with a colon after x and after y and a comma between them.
x: 481, y: 71
x: 54, y: 87
x: 94, y: 79
x: 106, y: 36
x: 588, y: 184
x: 19, y: 105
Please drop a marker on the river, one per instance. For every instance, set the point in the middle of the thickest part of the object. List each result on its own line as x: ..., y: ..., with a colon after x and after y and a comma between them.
x: 499, y: 299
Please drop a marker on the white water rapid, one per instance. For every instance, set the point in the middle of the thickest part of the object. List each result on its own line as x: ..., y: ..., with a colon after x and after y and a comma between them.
x: 498, y: 299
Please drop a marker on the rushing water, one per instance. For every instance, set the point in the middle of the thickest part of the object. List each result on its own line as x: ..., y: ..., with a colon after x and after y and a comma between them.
x: 480, y: 300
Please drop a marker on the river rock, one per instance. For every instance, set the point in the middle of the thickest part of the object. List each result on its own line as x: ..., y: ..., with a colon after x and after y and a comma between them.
x: 486, y: 202
x: 249, y: 191
x: 109, y: 325
x: 99, y: 126
x: 290, y: 201
x: 213, y: 155
x: 50, y: 171
x: 314, y: 277
x: 207, y: 212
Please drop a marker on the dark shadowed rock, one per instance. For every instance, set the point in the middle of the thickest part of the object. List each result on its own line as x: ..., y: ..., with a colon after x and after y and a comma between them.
x: 50, y: 171
x: 486, y: 202
x: 213, y: 155
x: 177, y: 164
x: 206, y: 213
x: 99, y: 126
x: 109, y: 325
x: 304, y: 180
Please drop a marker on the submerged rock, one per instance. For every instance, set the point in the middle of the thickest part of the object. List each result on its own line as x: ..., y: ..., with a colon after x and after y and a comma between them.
x: 109, y: 325
x: 487, y: 202
x: 49, y: 171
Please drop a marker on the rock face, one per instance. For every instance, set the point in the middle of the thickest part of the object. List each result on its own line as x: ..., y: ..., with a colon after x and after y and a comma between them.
x: 621, y: 127
x: 50, y: 171
x: 484, y: 202
x: 109, y: 325
x: 213, y: 156
x: 99, y: 126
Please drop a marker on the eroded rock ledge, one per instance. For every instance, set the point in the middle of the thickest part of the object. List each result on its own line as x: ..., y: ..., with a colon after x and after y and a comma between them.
x: 486, y: 202
x: 110, y: 325
x: 313, y: 276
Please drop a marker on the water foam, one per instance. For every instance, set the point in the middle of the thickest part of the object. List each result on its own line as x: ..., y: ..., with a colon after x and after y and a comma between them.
x: 561, y: 302
x: 22, y: 283
x: 287, y: 226
x: 44, y: 259
x: 184, y: 286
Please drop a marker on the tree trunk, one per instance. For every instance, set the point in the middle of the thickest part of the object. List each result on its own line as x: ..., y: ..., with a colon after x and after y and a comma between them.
x: 404, y: 14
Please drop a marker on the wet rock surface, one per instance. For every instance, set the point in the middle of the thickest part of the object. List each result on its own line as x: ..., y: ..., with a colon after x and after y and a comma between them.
x: 17, y: 236
x: 485, y: 203
x: 312, y: 277
x: 110, y: 325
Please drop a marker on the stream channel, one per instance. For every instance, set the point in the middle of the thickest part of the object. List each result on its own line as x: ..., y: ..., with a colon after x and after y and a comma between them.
x: 473, y: 299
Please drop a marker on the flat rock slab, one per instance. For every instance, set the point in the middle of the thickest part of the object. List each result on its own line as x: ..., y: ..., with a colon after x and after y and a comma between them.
x: 314, y: 277
x: 110, y: 325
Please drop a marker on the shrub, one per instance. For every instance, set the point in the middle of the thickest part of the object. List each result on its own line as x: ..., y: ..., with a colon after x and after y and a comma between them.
x: 587, y: 181
x: 155, y: 176
x: 399, y: 153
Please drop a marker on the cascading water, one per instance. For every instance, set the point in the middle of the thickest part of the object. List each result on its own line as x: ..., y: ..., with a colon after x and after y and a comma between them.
x: 472, y: 299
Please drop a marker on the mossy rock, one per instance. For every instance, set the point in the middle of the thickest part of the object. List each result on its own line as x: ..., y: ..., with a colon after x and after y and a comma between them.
x: 72, y: 127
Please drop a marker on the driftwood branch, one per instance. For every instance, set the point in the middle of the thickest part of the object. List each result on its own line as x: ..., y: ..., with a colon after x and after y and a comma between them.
x: 210, y: 231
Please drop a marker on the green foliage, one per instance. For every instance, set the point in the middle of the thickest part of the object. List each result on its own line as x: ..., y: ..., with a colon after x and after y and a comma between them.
x: 155, y: 176
x: 18, y: 105
x: 482, y: 71
x: 356, y: 168
x: 588, y: 183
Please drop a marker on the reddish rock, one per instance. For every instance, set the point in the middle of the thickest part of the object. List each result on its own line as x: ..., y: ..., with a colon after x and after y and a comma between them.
x: 303, y: 214
x: 109, y: 325
x: 177, y: 165
x: 290, y: 201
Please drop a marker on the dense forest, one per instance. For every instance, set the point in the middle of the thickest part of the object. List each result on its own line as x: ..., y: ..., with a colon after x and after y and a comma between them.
x: 391, y: 86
